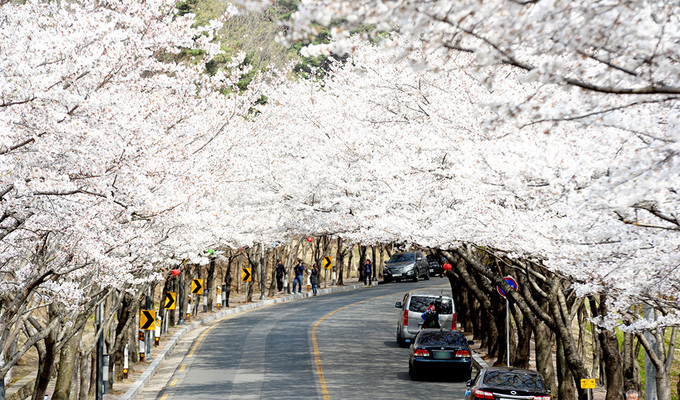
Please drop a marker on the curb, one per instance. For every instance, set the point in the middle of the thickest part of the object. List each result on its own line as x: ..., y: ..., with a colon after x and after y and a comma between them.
x: 477, y: 362
x: 151, y: 370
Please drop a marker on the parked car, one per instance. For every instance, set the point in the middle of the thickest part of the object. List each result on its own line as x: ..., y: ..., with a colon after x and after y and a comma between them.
x: 507, y: 383
x: 412, y: 265
x: 411, y: 309
x: 440, y: 352
x: 435, y: 268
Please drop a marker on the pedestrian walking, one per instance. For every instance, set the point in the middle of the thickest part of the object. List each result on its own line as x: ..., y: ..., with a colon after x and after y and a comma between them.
x: 368, y: 269
x: 280, y: 272
x: 299, y: 271
x: 314, y: 278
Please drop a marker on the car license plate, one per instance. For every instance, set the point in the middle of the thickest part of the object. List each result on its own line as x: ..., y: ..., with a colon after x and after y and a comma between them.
x: 396, y: 274
x: 442, y: 355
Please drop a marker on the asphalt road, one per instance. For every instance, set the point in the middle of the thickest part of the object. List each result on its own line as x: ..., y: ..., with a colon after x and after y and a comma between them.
x: 337, y: 346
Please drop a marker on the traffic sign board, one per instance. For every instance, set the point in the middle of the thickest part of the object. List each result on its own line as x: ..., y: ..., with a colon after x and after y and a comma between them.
x: 147, y: 320
x: 510, y: 281
x: 246, y: 276
x: 588, y: 384
x: 197, y: 286
x: 170, y: 300
x: 327, y: 262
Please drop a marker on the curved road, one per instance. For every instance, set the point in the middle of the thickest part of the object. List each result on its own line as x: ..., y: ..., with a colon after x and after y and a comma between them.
x: 337, y: 346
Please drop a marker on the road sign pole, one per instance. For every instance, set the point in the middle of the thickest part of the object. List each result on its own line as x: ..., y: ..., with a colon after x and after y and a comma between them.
x: 325, y: 277
x: 507, y: 330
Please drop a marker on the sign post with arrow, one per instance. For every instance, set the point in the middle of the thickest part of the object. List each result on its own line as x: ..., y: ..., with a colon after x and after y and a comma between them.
x: 246, y: 276
x: 197, y: 286
x: 170, y: 300
x: 147, y: 320
x: 327, y: 264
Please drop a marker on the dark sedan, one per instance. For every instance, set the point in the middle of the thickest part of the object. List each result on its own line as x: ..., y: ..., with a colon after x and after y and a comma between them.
x: 495, y: 383
x: 441, y: 352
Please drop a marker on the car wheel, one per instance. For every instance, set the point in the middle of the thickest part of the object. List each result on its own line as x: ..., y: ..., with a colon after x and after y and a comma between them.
x: 387, y: 280
x: 416, y: 278
x: 427, y: 274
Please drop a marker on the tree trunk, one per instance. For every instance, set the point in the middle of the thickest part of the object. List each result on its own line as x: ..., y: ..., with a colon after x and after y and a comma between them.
x: 66, y: 369
x: 84, y: 381
x: 126, y: 317
x: 228, y: 281
x: 349, y: 261
x: 339, y: 261
x: 523, y: 341
x: 565, y: 378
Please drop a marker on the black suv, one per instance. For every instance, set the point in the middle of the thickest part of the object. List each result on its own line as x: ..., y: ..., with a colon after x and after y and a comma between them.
x: 435, y: 268
x: 412, y: 265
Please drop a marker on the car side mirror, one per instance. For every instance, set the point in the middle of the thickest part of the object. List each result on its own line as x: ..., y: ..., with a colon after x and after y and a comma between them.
x: 469, y: 383
x: 398, y: 304
x: 471, y: 342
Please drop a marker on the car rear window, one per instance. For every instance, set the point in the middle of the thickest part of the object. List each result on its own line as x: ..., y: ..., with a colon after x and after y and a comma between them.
x: 400, y: 257
x: 420, y: 303
x: 513, y: 380
x: 442, y: 338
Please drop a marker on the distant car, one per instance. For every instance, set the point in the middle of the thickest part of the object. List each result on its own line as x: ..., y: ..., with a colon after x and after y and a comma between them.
x: 412, y: 265
x: 440, y: 352
x: 411, y: 309
x: 435, y: 268
x: 507, y: 383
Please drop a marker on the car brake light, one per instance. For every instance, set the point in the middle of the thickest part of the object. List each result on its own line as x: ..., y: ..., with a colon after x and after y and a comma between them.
x: 405, y: 318
x: 465, y: 353
x: 453, y: 321
x: 480, y: 394
x: 422, y: 353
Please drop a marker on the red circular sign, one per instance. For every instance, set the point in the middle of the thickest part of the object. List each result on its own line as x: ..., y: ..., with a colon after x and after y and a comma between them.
x: 175, y: 272
x: 447, y: 266
x: 309, y: 239
x: 510, y: 281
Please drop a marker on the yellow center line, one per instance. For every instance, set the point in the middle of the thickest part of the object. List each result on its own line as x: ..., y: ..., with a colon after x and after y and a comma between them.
x: 182, y: 368
x: 317, y: 356
x: 165, y: 396
x: 200, y: 338
x: 173, y: 383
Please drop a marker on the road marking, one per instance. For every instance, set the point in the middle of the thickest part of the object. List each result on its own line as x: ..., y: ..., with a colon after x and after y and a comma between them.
x: 317, y: 356
x: 202, y: 336
x: 165, y: 396
x: 183, y: 367
x: 173, y: 383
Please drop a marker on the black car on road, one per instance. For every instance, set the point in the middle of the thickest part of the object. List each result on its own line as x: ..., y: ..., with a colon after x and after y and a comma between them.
x: 495, y: 383
x: 440, y: 352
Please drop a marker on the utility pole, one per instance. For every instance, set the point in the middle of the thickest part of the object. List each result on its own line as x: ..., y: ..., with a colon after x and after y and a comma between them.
x: 99, y: 390
x: 262, y: 296
x: 181, y: 297
x: 148, y: 341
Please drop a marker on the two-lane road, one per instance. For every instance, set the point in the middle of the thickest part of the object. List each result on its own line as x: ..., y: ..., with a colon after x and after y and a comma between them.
x: 339, y: 346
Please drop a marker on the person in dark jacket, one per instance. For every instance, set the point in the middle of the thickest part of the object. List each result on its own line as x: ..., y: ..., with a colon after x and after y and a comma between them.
x: 299, y: 271
x: 431, y: 317
x: 280, y: 272
x: 314, y: 278
x: 368, y: 270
